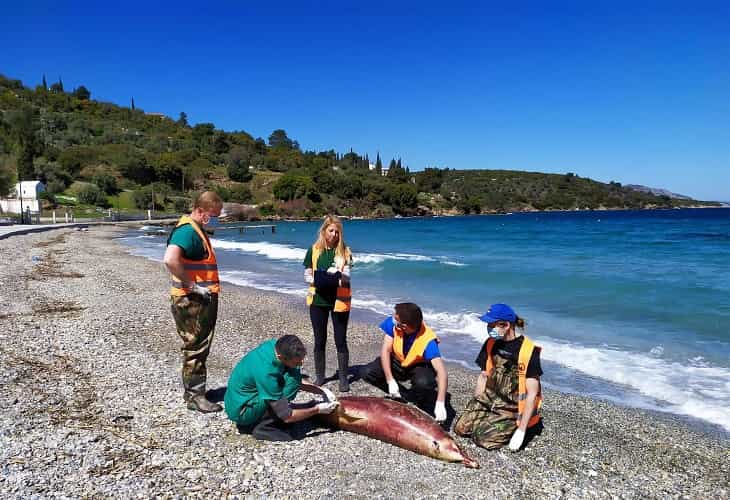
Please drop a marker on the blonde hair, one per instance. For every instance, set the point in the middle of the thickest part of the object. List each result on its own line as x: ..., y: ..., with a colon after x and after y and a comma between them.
x: 341, y: 250
x: 208, y: 200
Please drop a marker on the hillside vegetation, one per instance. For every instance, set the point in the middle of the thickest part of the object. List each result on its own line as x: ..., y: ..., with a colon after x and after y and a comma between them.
x: 102, y: 154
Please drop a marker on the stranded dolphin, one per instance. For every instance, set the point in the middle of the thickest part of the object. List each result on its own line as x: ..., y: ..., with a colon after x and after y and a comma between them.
x: 399, y: 424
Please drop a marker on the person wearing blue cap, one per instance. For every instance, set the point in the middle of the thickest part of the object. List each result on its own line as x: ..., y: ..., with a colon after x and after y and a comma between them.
x: 507, y: 397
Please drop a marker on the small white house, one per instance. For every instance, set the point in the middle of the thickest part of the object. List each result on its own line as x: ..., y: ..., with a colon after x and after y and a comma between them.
x: 27, y: 191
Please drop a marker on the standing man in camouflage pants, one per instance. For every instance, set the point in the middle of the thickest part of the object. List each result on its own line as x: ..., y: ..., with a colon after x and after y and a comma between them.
x: 194, y: 294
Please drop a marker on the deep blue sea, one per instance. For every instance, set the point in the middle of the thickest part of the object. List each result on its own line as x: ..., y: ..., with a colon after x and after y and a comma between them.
x: 630, y: 306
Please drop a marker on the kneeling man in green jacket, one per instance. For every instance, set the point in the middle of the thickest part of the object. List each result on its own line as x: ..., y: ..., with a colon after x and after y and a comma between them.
x: 263, y: 385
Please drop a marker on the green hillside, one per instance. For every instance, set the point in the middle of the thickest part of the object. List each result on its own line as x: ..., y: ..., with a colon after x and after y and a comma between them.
x: 107, y: 155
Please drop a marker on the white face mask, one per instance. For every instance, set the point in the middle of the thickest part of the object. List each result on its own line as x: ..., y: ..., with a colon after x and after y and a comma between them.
x: 497, y: 332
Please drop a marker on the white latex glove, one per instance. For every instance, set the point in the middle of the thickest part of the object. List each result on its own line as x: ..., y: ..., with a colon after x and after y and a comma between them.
x: 339, y: 261
x: 328, y: 395
x: 328, y: 407
x: 393, y: 390
x: 332, y: 270
x: 200, y: 290
x: 308, y: 276
x: 440, y: 411
x: 516, y: 441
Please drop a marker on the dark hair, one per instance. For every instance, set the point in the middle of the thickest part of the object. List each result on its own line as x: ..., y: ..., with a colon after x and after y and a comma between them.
x: 520, y: 322
x: 290, y: 347
x: 409, y: 313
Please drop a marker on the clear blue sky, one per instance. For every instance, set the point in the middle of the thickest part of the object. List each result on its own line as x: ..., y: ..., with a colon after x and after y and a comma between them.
x: 612, y: 91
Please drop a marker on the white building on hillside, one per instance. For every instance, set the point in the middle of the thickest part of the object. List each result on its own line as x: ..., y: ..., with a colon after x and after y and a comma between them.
x: 29, y: 191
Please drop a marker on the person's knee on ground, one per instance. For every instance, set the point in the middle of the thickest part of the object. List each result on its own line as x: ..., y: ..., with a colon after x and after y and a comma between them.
x: 423, y: 390
x: 462, y: 427
x: 271, y: 429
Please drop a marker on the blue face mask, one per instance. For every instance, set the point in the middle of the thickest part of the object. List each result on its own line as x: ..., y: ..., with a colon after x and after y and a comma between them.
x: 212, y: 222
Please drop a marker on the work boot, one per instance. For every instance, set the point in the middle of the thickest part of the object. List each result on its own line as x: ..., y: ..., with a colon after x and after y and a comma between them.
x: 200, y: 403
x: 320, y: 361
x: 342, y: 368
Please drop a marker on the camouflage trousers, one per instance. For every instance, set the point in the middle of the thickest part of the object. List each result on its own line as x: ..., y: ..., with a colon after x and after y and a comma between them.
x: 490, y: 419
x: 488, y: 427
x: 195, y: 319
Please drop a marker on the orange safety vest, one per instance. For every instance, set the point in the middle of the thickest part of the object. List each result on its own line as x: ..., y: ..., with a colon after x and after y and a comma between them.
x: 523, y: 360
x: 344, y: 293
x: 415, y: 354
x: 203, y: 272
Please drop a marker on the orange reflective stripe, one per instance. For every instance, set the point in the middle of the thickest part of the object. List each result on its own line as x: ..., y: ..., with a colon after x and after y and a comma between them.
x: 523, y: 361
x: 202, y: 272
x: 490, y: 362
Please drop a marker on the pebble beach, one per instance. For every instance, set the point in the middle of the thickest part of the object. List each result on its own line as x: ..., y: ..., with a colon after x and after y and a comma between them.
x: 92, y: 404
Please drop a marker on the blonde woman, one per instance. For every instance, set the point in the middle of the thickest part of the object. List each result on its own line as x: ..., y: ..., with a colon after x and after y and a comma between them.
x: 327, y: 271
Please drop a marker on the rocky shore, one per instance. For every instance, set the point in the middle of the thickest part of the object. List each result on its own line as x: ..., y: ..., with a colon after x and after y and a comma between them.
x: 92, y: 405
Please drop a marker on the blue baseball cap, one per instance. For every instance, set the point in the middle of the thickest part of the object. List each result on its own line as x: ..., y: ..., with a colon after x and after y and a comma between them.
x: 499, y: 312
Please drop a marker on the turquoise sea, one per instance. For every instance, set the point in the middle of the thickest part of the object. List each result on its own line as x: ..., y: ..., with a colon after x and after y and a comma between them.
x: 630, y: 306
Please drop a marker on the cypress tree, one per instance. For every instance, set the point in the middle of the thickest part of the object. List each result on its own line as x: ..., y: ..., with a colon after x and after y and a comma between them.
x: 45, y: 85
x: 132, y: 103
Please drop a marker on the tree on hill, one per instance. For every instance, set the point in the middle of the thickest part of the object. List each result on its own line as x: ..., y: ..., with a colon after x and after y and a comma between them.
x: 291, y: 186
x: 238, y: 163
x: 403, y: 198
x: 23, y: 127
x: 429, y: 180
x: 203, y: 134
x: 93, y: 195
x: 378, y: 165
x: 106, y: 182
x: 7, y: 174
x: 57, y: 88
x: 82, y: 93
x: 279, y: 140
x: 183, y: 119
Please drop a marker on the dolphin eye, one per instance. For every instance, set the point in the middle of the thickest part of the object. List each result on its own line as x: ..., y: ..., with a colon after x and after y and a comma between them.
x: 435, y: 444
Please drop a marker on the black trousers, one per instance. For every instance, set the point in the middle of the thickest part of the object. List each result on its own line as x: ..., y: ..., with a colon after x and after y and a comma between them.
x: 421, y: 375
x: 269, y: 428
x: 319, y: 316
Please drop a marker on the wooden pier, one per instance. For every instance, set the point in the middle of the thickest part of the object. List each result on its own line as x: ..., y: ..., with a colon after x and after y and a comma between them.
x: 243, y: 229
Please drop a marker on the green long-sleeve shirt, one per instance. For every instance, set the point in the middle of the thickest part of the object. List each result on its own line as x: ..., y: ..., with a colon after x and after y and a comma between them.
x: 258, y: 379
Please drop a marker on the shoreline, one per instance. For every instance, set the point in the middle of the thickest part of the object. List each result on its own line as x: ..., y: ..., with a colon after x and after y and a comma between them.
x: 93, y: 404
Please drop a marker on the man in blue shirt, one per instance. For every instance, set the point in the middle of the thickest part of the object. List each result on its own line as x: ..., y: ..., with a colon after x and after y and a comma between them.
x: 410, y: 352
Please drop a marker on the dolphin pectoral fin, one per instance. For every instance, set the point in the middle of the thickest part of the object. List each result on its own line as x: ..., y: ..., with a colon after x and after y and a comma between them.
x: 350, y: 418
